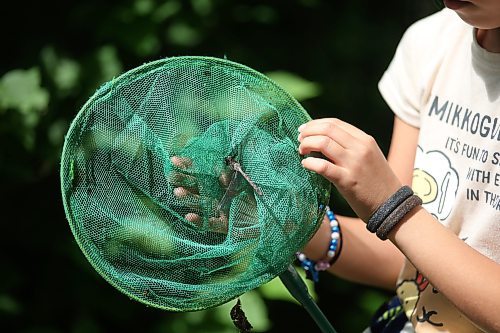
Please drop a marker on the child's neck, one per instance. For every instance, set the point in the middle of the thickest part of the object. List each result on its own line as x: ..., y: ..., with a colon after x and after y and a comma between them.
x: 489, y: 39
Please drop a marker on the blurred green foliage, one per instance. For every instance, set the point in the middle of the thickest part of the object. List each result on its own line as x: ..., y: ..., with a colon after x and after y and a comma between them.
x: 328, y: 54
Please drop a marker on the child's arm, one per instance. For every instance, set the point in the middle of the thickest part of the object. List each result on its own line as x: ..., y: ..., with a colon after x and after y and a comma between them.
x: 466, y: 277
x: 365, y: 258
x: 361, y: 174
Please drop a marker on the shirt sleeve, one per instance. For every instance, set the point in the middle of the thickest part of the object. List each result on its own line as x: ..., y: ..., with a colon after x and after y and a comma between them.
x: 399, y: 84
x: 408, y: 82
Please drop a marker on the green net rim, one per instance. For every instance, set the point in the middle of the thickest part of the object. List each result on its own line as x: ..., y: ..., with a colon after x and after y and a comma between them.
x: 108, y: 87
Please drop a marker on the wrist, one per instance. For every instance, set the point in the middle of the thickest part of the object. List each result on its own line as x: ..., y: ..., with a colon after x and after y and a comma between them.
x: 410, y: 226
x: 393, y: 211
x: 312, y: 267
x: 318, y: 245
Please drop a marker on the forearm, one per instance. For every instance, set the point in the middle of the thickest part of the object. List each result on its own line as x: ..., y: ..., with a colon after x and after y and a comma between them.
x: 463, y: 275
x: 364, y: 258
x: 468, y: 279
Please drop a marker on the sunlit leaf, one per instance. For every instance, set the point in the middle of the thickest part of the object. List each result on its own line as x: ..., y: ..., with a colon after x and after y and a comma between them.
x: 195, y: 318
x: 182, y: 34
x: 49, y: 58
x: 64, y: 72
x: 109, y: 62
x: 21, y: 90
x: 202, y: 7
x: 297, y: 86
x: 143, y: 7
x: 148, y: 45
x: 371, y: 300
x: 56, y: 132
x: 166, y: 10
x: 67, y: 74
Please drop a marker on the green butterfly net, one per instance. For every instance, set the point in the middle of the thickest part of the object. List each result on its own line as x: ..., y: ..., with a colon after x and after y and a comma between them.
x: 118, y: 179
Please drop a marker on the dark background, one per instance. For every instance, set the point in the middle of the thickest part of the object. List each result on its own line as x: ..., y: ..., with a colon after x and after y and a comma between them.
x: 55, y: 54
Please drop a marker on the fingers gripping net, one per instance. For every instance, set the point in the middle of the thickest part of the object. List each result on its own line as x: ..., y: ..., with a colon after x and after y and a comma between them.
x: 224, y: 121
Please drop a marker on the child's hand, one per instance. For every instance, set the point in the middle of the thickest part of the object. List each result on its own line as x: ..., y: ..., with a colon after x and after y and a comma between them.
x: 187, y: 187
x: 353, y: 163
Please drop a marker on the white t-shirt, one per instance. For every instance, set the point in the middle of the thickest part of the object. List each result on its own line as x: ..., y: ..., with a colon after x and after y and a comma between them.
x: 444, y: 83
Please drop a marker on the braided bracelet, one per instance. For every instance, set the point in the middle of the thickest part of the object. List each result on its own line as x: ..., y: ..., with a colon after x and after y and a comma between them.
x: 397, y: 215
x: 387, y: 207
x: 313, y: 268
x: 391, y: 212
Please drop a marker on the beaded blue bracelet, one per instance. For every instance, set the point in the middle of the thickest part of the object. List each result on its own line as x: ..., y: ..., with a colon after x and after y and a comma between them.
x: 313, y: 268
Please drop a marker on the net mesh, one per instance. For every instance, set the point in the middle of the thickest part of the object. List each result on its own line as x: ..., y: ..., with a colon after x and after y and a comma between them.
x: 118, y: 182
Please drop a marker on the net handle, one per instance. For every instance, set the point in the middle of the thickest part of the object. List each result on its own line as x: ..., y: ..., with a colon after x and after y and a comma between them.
x: 298, y: 289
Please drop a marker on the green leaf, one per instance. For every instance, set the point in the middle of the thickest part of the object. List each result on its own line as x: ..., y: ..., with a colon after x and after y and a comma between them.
x: 296, y: 86
x: 264, y: 14
x: 166, y: 10
x: 275, y: 290
x: 370, y: 300
x: 148, y: 45
x: 184, y: 35
x: 64, y: 72
x: 109, y: 62
x: 143, y: 7
x: 56, y: 132
x: 8, y: 305
x: 67, y: 74
x: 21, y: 90
x: 202, y: 7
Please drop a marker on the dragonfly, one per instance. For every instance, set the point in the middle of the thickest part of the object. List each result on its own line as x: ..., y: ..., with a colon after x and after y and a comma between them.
x: 233, y: 186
